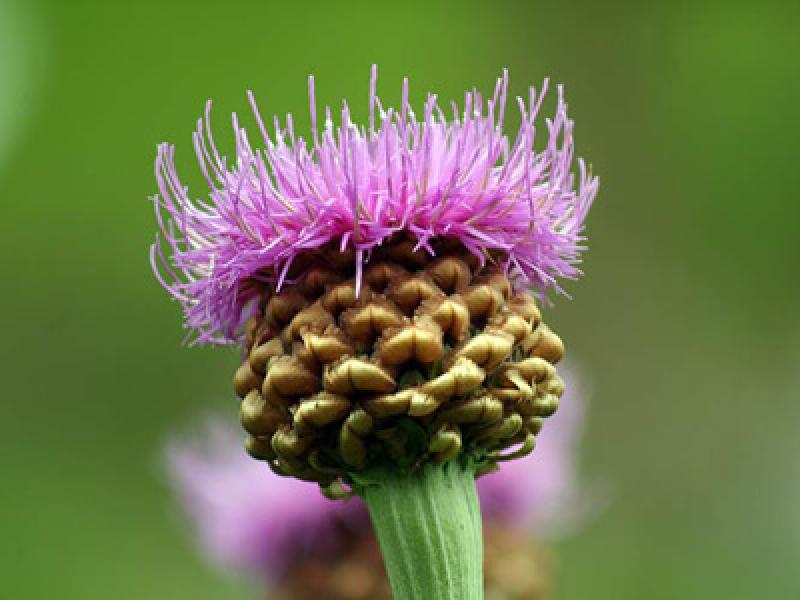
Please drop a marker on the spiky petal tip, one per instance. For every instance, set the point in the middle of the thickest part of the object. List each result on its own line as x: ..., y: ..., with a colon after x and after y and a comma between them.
x: 355, y: 187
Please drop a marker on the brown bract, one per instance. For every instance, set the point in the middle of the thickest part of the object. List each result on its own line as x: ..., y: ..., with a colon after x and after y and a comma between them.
x: 428, y: 359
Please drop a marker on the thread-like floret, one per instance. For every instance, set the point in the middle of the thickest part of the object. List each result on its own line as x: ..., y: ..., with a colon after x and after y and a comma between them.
x: 354, y: 187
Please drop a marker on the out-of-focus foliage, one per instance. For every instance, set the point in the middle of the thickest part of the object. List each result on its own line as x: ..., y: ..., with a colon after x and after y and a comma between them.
x: 686, y: 321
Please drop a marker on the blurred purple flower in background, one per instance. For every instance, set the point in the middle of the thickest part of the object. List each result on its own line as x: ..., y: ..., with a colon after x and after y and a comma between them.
x: 543, y: 490
x: 245, y: 516
x: 248, y: 519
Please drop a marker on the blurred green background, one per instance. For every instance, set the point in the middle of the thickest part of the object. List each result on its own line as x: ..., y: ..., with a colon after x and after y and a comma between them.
x: 686, y: 323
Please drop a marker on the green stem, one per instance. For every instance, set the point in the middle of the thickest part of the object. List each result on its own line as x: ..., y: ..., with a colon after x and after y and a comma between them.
x: 428, y: 524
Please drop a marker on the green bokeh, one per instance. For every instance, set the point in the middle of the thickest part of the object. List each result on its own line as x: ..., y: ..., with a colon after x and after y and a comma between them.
x: 686, y: 323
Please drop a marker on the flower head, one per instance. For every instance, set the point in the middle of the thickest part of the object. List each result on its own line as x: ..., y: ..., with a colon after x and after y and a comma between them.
x: 353, y: 187
x: 250, y: 519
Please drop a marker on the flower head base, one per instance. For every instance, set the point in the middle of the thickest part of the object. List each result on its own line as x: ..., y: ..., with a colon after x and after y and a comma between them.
x: 355, y: 187
x: 435, y: 360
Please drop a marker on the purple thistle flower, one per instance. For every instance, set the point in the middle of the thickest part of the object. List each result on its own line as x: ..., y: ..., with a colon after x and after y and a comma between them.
x: 249, y: 519
x: 356, y: 186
